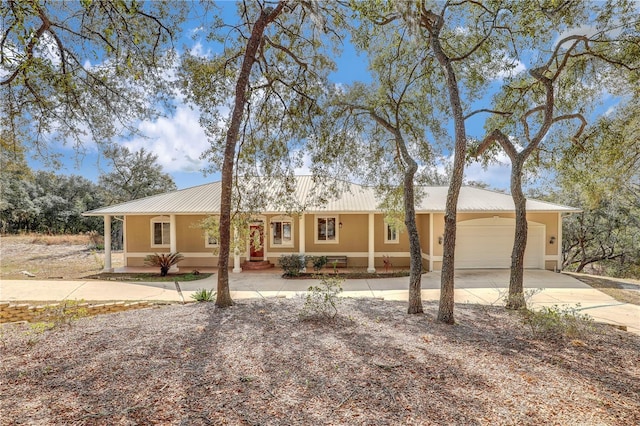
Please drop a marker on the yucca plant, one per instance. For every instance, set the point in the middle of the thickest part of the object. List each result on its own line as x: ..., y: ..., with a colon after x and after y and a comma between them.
x: 204, y: 295
x: 164, y: 261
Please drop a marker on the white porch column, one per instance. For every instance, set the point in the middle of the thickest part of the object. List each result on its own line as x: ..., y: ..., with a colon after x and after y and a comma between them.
x: 430, y: 242
x: 302, y: 238
x: 236, y: 253
x: 301, y: 235
x: 371, y: 266
x: 107, y: 244
x: 173, y: 244
x: 559, y: 244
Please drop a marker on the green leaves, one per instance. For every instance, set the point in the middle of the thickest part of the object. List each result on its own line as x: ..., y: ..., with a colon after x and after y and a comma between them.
x: 66, y: 68
x: 164, y: 261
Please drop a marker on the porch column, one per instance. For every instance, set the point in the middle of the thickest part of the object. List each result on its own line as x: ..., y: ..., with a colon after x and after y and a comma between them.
x: 371, y: 266
x: 236, y: 252
x: 173, y: 244
x: 430, y: 242
x: 264, y: 238
x: 107, y: 244
x: 558, y: 244
x: 302, y: 238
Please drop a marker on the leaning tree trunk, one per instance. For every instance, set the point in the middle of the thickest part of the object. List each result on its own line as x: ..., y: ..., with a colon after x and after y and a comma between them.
x: 223, y: 296
x: 515, y: 299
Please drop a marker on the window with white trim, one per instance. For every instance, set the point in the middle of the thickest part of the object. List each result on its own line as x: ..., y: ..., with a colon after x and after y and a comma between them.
x: 391, y: 235
x: 160, y: 232
x: 210, y: 240
x: 282, y: 232
x: 326, y: 229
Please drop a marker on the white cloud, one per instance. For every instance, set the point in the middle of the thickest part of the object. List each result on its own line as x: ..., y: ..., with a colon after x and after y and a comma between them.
x: 587, y: 31
x: 305, y: 169
x: 611, y: 110
x: 497, y: 175
x: 503, y: 66
x: 200, y: 51
x: 178, y: 141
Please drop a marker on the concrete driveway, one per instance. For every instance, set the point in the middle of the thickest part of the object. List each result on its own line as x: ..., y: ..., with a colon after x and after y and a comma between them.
x: 472, y: 286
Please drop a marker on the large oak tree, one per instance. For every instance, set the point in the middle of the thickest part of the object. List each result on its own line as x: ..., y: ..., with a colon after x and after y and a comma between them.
x: 269, y: 74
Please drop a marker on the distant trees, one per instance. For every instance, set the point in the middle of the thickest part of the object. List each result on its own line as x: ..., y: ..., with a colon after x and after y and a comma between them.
x: 601, y: 175
x: 46, y: 202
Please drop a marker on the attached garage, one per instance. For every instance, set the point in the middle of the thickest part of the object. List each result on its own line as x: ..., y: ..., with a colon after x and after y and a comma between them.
x: 488, y: 242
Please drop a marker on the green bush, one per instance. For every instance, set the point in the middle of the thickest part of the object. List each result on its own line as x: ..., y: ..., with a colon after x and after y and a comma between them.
x: 292, y: 264
x: 555, y: 321
x: 321, y: 302
x: 318, y: 262
x: 204, y: 295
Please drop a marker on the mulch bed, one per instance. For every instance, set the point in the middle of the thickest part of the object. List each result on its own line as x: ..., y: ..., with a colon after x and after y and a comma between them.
x: 260, y: 363
x: 346, y: 275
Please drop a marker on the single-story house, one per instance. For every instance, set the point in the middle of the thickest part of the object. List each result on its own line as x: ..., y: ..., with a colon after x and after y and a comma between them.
x: 348, y: 225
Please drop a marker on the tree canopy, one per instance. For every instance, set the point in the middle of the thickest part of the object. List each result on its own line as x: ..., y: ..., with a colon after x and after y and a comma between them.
x: 133, y: 175
x: 80, y: 72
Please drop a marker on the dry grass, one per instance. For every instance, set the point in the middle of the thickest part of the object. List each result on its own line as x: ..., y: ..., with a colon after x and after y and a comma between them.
x: 51, y: 256
x: 625, y: 292
x: 258, y: 363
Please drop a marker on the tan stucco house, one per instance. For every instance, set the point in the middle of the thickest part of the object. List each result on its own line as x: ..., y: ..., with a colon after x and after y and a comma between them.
x: 350, y: 225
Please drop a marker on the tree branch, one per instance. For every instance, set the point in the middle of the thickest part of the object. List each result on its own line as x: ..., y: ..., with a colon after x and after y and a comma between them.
x: 490, y: 111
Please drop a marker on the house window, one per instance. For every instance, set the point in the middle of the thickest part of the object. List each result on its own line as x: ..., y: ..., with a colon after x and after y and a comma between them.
x: 210, y: 240
x: 326, y: 229
x: 160, y: 232
x: 282, y: 232
x: 391, y: 234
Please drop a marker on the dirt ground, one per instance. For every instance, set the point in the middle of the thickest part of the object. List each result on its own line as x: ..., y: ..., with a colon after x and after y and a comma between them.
x: 259, y: 363
x: 66, y: 257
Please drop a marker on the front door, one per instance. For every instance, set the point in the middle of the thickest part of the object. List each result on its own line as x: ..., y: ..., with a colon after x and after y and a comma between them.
x: 256, y: 244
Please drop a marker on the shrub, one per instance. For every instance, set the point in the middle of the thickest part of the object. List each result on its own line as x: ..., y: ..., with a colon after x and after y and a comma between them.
x: 318, y: 262
x: 164, y: 261
x: 555, y: 321
x: 321, y: 302
x: 204, y: 295
x: 292, y: 264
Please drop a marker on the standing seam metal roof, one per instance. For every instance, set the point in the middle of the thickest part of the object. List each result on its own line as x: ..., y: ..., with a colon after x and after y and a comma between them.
x: 205, y: 199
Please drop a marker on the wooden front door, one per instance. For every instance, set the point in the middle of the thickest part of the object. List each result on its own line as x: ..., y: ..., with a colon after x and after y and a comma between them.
x: 256, y: 245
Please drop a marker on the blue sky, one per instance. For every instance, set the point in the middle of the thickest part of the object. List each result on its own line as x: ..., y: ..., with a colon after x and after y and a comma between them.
x: 178, y: 139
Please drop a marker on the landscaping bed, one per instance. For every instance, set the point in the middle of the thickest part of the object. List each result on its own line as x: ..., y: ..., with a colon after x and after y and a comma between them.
x: 352, y: 274
x: 148, y: 277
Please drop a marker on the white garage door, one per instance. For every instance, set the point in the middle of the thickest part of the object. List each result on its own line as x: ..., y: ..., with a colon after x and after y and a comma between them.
x: 487, y: 243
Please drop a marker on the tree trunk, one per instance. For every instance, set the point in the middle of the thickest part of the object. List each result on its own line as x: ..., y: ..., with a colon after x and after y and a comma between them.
x: 445, y: 310
x: 223, y: 296
x: 415, y: 275
x: 434, y: 23
x: 581, y: 266
x: 515, y: 299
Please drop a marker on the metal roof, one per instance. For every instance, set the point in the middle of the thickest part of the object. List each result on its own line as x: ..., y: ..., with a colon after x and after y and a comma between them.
x: 303, y: 193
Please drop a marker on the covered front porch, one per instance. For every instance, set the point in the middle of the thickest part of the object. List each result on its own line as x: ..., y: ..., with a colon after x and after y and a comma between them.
x: 356, y: 240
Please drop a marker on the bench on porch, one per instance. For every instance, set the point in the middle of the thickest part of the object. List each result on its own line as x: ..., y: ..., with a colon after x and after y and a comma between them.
x: 337, y: 261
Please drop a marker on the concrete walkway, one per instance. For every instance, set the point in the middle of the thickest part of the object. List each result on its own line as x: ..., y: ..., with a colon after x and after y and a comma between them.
x: 486, y: 287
